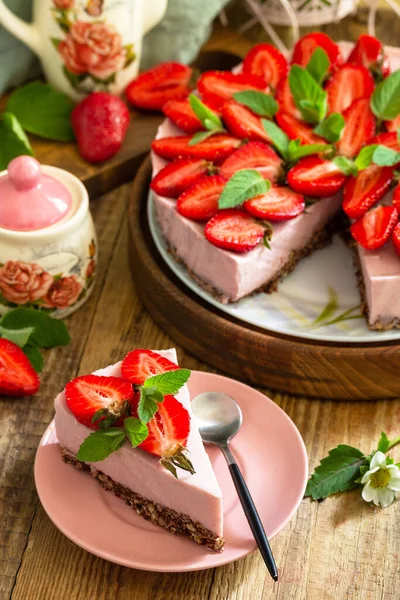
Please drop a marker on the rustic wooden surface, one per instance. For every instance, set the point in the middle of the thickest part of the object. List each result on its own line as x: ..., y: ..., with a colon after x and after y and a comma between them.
x: 340, y: 549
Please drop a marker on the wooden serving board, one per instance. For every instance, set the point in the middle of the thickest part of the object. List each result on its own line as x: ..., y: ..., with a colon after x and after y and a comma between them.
x: 264, y: 358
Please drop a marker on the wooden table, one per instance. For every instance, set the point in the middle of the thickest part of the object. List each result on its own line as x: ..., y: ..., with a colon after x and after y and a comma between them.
x: 340, y: 549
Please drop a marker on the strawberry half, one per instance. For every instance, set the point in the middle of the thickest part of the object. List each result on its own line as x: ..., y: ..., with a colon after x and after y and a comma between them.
x: 218, y: 146
x: 364, y: 190
x: 243, y: 123
x: 179, y: 175
x: 91, y: 393
x: 374, y: 228
x: 314, y: 176
x: 359, y: 128
x: 167, y: 81
x: 266, y: 62
x: 393, y: 125
x: 346, y: 85
x: 369, y: 52
x: 254, y: 155
x: 17, y: 376
x: 140, y: 364
x: 278, y: 204
x: 217, y: 86
x: 285, y: 99
x: 234, y: 230
x: 396, y: 238
x: 306, y: 45
x: 200, y: 201
x: 297, y: 129
x: 182, y: 115
x: 396, y: 197
x: 388, y: 139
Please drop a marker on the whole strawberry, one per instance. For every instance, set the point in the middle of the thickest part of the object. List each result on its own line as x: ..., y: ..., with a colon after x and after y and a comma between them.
x: 100, y: 123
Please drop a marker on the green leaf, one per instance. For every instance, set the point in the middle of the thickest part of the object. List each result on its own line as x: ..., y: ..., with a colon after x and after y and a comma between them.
x: 331, y: 128
x: 48, y: 332
x: 384, y: 443
x: 318, y: 65
x: 258, y: 102
x: 385, y: 101
x: 169, y: 382
x: 209, y: 119
x: 278, y: 137
x: 18, y: 336
x: 243, y: 185
x: 44, y: 111
x: 329, y: 309
x: 364, y: 158
x: 346, y: 165
x: 398, y: 135
x: 35, y: 356
x: 308, y: 95
x: 297, y: 151
x: 385, y: 157
x: 13, y: 140
x: 148, y: 403
x: 200, y: 136
x: 136, y: 431
x: 336, y: 473
x: 100, y: 444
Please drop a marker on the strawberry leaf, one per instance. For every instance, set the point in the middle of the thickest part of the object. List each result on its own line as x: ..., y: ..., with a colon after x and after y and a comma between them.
x: 258, y: 102
x: 319, y: 64
x: 346, y: 165
x: 169, y: 382
x: 136, y: 431
x: 385, y: 101
x: 244, y: 184
x: 364, y: 158
x: 48, y: 332
x: 278, y: 137
x: 13, y: 140
x: 35, y: 356
x: 209, y: 119
x: 18, y: 336
x: 100, y: 444
x: 385, y: 157
x: 384, y: 443
x: 308, y: 95
x: 331, y: 128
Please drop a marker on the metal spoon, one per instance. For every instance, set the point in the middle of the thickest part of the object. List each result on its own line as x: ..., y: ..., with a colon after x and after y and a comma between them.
x: 218, y: 417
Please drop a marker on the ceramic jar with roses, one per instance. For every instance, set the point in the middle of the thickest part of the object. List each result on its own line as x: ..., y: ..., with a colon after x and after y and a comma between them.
x: 48, y: 248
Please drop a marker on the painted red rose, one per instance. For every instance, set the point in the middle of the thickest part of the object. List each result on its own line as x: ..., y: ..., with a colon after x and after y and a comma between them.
x: 91, y: 268
x: 94, y: 48
x: 63, y: 293
x: 64, y: 4
x: 22, y: 282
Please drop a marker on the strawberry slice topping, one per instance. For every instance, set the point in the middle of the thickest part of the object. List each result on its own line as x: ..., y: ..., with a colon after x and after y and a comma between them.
x: 364, y: 190
x: 266, y: 62
x: 200, y: 201
x: 396, y: 238
x: 217, y: 86
x: 285, y: 99
x: 153, y: 88
x: 179, y: 175
x: 369, y: 52
x: 91, y: 393
x: 140, y: 364
x: 359, y: 128
x: 17, y: 376
x: 182, y: 115
x: 346, y: 85
x: 234, y: 230
x: 306, y: 45
x: 396, y: 197
x: 388, y: 139
x: 254, y: 155
x: 314, y: 176
x: 218, y: 146
x: 243, y: 123
x: 279, y: 204
x: 393, y: 125
x: 297, y: 129
x: 374, y: 228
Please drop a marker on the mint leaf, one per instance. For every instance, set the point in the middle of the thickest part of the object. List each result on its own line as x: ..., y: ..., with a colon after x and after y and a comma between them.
x: 336, y: 473
x: 279, y: 139
x: 209, y: 119
x: 308, y: 95
x: 136, y: 431
x: 13, y: 140
x: 385, y: 157
x: 384, y: 443
x: 385, y: 101
x: 243, y: 185
x: 364, y: 158
x: 18, y: 336
x: 331, y: 128
x: 318, y: 65
x: 346, y: 165
x: 148, y: 403
x: 261, y: 104
x: 100, y: 444
x: 44, y: 111
x: 169, y: 382
x: 296, y: 150
x: 35, y: 356
x: 200, y: 136
x: 48, y: 332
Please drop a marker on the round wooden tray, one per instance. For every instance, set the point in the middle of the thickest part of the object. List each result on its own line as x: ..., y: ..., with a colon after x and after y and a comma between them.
x: 268, y: 359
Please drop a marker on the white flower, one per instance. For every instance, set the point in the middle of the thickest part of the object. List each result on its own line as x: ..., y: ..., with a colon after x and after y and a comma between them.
x: 381, y: 481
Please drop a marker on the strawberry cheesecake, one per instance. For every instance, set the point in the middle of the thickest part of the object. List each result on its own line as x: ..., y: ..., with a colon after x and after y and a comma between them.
x: 130, y: 426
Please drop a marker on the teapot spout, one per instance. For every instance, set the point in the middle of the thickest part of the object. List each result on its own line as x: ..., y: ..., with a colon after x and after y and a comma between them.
x: 25, y: 32
x: 153, y: 12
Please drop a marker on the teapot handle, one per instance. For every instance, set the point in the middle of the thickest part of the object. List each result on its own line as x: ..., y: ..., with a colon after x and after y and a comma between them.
x: 153, y: 13
x: 25, y: 32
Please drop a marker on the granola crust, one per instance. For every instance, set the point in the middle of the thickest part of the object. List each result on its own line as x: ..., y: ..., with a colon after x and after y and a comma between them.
x: 151, y: 511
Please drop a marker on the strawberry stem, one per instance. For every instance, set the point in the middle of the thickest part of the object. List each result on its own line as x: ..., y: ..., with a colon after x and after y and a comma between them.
x: 177, y: 458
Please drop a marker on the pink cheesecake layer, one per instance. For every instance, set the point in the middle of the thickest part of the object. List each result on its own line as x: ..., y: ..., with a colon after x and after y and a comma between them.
x: 197, y: 496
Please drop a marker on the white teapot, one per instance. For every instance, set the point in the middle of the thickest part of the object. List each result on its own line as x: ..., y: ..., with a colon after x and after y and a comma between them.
x: 87, y: 45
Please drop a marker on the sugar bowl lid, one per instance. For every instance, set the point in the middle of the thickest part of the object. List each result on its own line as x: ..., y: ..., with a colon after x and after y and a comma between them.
x: 29, y: 198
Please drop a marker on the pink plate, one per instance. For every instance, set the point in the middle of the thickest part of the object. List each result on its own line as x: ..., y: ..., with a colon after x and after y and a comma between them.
x: 268, y: 448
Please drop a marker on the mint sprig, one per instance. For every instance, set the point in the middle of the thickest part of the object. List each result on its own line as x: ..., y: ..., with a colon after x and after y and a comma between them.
x: 364, y: 158
x: 13, y: 140
x: 291, y: 150
x: 242, y: 186
x: 169, y: 382
x: 346, y: 165
x: 209, y: 120
x: 100, y: 444
x: 331, y: 128
x: 318, y: 65
x: 309, y: 97
x: 259, y: 103
x: 385, y: 100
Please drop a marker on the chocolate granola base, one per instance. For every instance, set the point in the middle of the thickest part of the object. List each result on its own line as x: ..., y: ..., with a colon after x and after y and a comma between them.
x: 151, y: 511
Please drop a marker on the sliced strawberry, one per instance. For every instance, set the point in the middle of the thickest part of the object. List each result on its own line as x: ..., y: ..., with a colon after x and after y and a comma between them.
x: 346, y: 85
x: 278, y: 204
x: 153, y: 88
x: 393, y: 125
x: 217, y: 86
x: 388, y: 139
x: 396, y: 197
x: 17, y: 376
x: 200, y: 201
x: 285, y: 99
x: 306, y: 45
x: 396, y: 238
x: 369, y: 52
x: 216, y: 147
x: 234, y: 230
x: 358, y: 129
x: 254, y: 155
x: 266, y: 62
x: 178, y: 175
x: 90, y: 393
x: 374, y: 228
x: 364, y: 190
x: 314, y: 176
x: 182, y: 115
x: 243, y: 123
x: 140, y: 364
x: 168, y: 429
x: 297, y: 129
